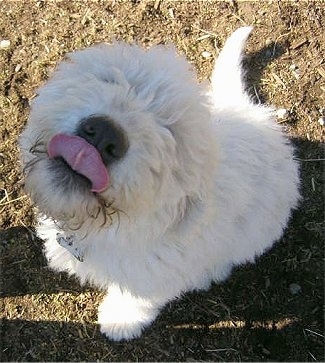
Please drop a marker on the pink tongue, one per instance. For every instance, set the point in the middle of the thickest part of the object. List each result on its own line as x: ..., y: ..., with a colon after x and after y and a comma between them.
x: 82, y: 157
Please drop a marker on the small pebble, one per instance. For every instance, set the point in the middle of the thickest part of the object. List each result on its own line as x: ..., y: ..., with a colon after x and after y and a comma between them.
x: 321, y: 120
x: 268, y: 41
x: 205, y: 54
x: 295, y: 70
x: 18, y: 68
x: 294, y: 289
x: 282, y: 113
x: 4, y: 44
x: 293, y: 67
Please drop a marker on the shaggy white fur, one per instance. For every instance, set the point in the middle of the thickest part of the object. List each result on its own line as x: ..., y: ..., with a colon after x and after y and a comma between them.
x: 208, y: 180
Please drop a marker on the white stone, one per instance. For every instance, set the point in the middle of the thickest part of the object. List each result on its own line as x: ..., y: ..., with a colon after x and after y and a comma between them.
x: 295, y: 289
x: 4, y: 44
x: 205, y: 54
x: 282, y: 113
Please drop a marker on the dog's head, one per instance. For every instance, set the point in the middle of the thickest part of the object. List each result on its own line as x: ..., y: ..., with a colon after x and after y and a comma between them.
x: 117, y: 128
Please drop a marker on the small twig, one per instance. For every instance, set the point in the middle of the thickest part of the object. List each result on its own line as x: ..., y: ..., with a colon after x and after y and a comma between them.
x: 321, y: 71
x: 17, y: 262
x: 315, y: 333
x: 313, y: 184
x: 276, y: 41
x: 283, y: 121
x: 239, y: 18
x: 312, y: 355
x: 277, y: 78
x: 298, y: 159
x: 156, y: 4
x: 257, y: 96
x: 221, y: 350
x: 205, y: 31
x: 203, y: 37
x: 298, y: 44
x: 12, y: 200
x: 6, y: 197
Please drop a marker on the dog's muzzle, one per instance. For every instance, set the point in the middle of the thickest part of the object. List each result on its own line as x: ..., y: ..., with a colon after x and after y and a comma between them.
x: 97, y: 144
x: 108, y: 138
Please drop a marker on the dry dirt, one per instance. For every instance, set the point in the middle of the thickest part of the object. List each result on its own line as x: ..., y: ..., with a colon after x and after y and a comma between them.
x: 270, y: 311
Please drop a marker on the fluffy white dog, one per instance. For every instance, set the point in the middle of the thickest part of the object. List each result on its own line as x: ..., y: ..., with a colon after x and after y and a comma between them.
x: 150, y: 184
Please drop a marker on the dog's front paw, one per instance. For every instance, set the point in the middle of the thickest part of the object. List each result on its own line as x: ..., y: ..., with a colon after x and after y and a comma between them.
x: 122, y: 316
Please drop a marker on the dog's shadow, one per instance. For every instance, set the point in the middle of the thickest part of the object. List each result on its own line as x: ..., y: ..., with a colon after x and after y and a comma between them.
x: 24, y: 267
x: 254, y: 64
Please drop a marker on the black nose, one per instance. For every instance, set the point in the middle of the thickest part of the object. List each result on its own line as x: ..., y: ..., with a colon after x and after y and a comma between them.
x: 103, y: 133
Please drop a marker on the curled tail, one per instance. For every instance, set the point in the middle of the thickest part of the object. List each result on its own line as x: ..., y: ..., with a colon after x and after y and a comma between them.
x: 227, y: 77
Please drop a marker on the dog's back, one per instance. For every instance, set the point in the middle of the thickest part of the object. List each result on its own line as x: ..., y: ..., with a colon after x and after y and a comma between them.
x: 257, y: 182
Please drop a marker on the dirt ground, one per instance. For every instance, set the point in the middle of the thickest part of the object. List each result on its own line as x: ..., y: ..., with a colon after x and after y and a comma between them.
x: 269, y: 311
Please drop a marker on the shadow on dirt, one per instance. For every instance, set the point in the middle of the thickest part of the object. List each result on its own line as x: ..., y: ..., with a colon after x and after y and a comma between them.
x: 57, y: 341
x: 255, y: 64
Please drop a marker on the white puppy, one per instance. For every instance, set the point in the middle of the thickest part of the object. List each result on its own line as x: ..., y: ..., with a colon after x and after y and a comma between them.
x: 149, y: 184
